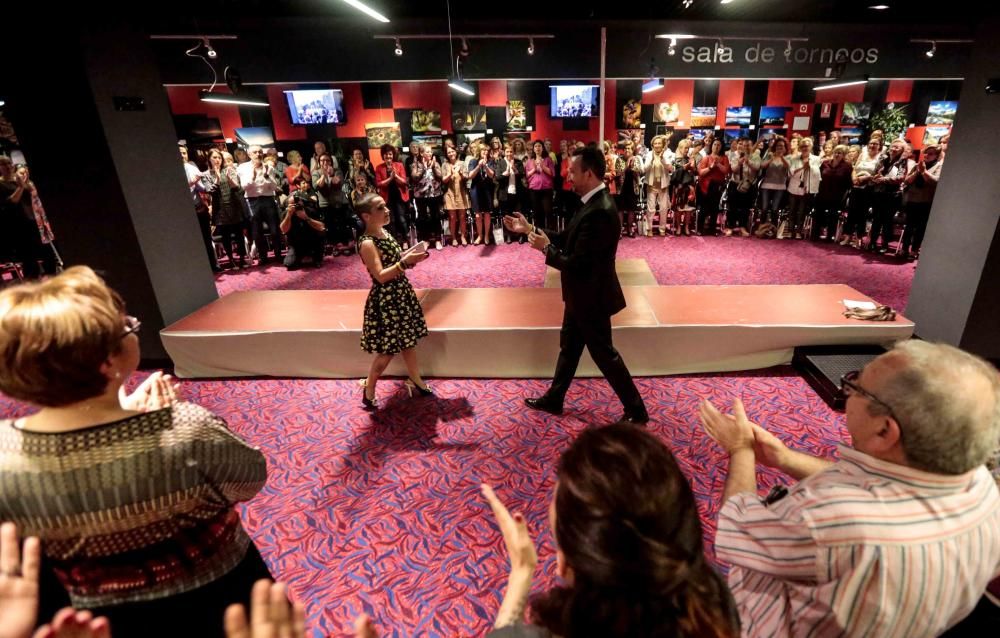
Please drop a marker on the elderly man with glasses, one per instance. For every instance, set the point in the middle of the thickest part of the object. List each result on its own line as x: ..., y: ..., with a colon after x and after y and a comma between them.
x: 901, y: 536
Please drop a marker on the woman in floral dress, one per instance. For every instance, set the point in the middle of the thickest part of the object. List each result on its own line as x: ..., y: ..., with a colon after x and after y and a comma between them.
x: 394, y: 321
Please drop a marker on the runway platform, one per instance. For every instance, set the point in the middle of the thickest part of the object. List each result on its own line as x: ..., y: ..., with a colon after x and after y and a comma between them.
x: 514, y: 332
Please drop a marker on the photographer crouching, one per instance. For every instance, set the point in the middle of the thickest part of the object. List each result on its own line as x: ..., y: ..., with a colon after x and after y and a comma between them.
x: 303, y: 226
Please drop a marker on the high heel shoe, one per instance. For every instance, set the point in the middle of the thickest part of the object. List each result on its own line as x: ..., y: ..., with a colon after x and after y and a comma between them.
x: 411, y: 387
x: 369, y: 404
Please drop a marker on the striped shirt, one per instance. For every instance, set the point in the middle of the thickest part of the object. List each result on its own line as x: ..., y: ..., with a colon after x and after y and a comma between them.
x: 136, y: 509
x: 863, y: 548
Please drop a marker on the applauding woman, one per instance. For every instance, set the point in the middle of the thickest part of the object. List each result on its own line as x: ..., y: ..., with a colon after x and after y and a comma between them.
x: 228, y: 215
x: 133, y: 496
x: 482, y: 174
x: 456, y: 196
x: 540, y: 170
x: 629, y: 549
x: 394, y: 320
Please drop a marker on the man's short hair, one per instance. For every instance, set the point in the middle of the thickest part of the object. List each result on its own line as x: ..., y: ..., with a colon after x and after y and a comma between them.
x: 591, y: 159
x: 946, y: 427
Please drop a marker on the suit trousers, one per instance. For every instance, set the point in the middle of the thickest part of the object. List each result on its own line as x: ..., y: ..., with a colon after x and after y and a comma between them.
x: 594, y: 332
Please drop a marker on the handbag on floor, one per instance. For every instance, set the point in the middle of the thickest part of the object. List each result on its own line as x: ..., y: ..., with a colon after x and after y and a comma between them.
x: 498, y: 233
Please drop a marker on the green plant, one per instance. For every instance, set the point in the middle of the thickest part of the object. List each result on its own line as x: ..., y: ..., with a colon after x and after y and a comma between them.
x: 892, y: 120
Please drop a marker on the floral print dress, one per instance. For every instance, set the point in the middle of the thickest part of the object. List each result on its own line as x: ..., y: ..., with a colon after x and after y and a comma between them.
x: 394, y: 320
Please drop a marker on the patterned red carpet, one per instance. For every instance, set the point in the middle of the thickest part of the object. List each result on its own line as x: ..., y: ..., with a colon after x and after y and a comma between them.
x: 673, y: 260
x: 382, y: 513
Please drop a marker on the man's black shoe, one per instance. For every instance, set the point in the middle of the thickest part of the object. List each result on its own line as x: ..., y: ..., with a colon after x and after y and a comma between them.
x: 545, y: 405
x: 635, y: 419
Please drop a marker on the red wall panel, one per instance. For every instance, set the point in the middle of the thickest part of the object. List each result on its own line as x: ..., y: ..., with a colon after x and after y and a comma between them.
x: 428, y: 96
x: 730, y: 94
x: 682, y: 92
x: 184, y: 101
x: 356, y: 113
x: 899, y: 91
x: 779, y: 92
x: 493, y: 92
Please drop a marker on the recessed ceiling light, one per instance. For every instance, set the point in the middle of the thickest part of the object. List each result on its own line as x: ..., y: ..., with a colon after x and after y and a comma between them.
x: 879, y: 7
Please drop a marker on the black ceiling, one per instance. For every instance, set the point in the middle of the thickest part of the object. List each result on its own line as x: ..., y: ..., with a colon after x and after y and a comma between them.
x: 191, y: 12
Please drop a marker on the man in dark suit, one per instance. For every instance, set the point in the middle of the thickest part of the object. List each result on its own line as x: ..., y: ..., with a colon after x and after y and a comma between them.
x: 584, y: 255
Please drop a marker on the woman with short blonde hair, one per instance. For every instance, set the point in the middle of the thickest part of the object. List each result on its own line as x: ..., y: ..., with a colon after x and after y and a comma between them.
x: 296, y: 168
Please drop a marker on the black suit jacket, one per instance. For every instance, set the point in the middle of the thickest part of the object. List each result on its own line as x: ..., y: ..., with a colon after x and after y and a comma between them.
x: 584, y: 255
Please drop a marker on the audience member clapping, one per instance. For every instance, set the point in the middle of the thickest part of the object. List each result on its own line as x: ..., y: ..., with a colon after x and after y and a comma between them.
x: 132, y: 496
x: 898, y: 538
x: 629, y: 548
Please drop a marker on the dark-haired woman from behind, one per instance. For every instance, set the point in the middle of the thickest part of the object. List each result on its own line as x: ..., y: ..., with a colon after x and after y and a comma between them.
x: 629, y: 549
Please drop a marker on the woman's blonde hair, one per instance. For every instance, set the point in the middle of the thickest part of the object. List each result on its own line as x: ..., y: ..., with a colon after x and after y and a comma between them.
x: 54, y: 336
x: 294, y: 156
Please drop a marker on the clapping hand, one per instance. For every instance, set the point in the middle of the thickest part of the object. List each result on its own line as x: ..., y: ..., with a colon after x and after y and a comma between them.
x: 70, y: 623
x: 539, y: 239
x: 732, y: 432
x: 520, y: 547
x: 18, y: 583
x: 271, y: 614
x: 516, y: 223
x: 155, y: 393
x: 364, y: 627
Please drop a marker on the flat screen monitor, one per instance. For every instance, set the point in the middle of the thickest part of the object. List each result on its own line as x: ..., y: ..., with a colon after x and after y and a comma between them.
x: 323, y: 106
x: 574, y: 101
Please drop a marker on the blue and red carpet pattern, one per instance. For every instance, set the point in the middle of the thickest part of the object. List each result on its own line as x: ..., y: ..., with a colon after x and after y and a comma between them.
x: 673, y: 260
x: 381, y: 513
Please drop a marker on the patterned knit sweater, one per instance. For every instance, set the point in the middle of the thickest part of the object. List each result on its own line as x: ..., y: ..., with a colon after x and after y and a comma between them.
x: 136, y: 509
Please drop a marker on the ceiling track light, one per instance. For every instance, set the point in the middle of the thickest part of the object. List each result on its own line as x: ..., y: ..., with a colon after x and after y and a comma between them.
x: 531, y: 46
x: 688, y: 3
x: 464, y: 51
x: 936, y: 41
x: 672, y: 47
x: 209, y: 51
x: 720, y: 48
x: 399, y: 48
x: 788, y: 48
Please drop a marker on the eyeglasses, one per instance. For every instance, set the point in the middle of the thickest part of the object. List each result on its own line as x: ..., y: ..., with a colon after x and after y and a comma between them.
x: 849, y: 385
x: 132, y: 326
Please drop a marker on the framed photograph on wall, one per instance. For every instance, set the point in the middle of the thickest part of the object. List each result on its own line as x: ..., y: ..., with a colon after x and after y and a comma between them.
x: 941, y: 113
x: 933, y: 134
x: 773, y: 115
x: 468, y: 118
x: 856, y: 113
x: 851, y: 135
x: 667, y: 112
x: 425, y: 121
x: 737, y: 116
x: 434, y: 141
x: 517, y: 115
x: 632, y: 114
x: 383, y: 133
x: 703, y: 116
